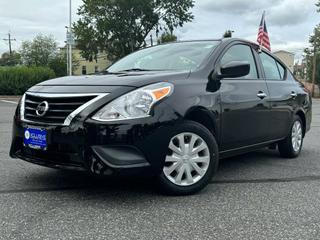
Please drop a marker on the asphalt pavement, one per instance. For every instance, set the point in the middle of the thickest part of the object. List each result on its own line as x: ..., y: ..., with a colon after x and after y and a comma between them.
x: 254, y: 196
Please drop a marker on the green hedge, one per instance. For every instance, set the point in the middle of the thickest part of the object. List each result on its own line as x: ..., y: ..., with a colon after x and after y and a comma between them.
x: 16, y: 80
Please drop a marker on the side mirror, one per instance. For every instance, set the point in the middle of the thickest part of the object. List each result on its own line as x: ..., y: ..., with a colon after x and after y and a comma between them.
x: 234, y: 69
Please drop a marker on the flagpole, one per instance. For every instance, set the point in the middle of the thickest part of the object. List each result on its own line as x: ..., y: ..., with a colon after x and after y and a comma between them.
x: 263, y: 15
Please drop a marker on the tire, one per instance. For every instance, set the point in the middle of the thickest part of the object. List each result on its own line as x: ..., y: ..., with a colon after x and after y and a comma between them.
x: 286, y: 147
x: 201, y: 164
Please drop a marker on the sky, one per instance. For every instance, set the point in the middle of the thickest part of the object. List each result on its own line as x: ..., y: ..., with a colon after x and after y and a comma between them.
x: 289, y: 22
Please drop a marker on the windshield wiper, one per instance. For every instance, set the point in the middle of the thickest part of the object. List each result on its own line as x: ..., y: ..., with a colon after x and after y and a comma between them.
x: 136, y: 70
x: 132, y: 70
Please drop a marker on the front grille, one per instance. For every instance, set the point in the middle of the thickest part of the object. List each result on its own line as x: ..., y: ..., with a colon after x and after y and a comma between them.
x: 52, y: 157
x: 59, y: 107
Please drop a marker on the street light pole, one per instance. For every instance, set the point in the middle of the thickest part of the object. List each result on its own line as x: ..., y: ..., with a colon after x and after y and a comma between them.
x: 67, y: 48
x: 70, y: 38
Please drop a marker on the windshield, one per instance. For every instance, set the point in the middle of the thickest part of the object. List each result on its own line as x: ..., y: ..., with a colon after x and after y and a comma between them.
x: 175, y: 56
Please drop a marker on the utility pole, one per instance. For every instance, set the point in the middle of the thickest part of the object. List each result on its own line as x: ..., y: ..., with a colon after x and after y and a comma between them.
x: 314, y: 68
x: 9, y: 39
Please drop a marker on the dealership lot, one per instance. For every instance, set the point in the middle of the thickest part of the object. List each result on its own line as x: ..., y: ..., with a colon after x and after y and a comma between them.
x: 254, y: 196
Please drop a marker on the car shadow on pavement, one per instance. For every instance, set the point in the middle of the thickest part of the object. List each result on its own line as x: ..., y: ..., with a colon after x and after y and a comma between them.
x: 61, y: 180
x: 51, y: 180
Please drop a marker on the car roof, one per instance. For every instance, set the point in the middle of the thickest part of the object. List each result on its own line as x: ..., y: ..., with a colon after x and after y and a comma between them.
x: 238, y: 39
x: 224, y: 40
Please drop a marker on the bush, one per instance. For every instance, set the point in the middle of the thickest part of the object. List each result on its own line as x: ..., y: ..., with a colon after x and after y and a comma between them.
x: 16, y: 80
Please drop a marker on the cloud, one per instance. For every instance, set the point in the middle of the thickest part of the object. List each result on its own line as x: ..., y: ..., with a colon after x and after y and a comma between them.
x: 290, y: 22
x: 25, y: 19
x: 289, y: 46
x: 236, y: 6
x: 279, y: 12
x: 291, y: 13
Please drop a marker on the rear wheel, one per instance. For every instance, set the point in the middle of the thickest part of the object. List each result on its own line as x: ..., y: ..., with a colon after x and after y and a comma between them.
x: 291, y: 146
x: 191, y: 160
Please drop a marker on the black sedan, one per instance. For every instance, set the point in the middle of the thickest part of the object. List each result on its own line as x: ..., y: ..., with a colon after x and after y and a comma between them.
x: 170, y: 111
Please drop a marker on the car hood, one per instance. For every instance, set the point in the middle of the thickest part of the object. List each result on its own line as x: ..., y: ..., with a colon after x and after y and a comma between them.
x: 107, y: 82
x: 132, y: 79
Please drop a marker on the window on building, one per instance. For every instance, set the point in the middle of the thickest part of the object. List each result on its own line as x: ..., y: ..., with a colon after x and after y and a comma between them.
x: 84, y: 70
x: 96, y: 69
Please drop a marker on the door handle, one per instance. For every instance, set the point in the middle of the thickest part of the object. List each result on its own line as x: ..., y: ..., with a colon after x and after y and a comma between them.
x: 261, y: 95
x: 293, y: 94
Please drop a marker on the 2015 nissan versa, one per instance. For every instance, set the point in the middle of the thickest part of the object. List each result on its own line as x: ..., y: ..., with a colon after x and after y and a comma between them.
x: 170, y: 111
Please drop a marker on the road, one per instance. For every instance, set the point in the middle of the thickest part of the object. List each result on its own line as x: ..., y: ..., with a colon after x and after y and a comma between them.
x: 254, y: 196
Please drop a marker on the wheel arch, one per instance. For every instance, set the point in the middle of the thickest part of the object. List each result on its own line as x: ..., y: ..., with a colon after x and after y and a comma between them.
x: 204, y: 117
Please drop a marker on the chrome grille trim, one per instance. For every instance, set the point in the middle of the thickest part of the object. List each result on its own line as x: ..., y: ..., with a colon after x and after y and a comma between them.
x: 71, y: 116
x: 62, y: 95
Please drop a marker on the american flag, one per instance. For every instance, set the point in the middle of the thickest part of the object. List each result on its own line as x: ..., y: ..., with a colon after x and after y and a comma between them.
x: 263, y: 37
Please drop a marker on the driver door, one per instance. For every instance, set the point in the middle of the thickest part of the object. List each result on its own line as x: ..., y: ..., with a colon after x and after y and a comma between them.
x: 244, y: 102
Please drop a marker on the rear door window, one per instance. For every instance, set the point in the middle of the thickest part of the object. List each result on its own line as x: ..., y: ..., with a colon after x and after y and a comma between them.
x: 270, y: 67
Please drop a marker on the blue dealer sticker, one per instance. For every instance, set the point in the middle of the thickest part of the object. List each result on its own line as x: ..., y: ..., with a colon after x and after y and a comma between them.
x: 35, y: 138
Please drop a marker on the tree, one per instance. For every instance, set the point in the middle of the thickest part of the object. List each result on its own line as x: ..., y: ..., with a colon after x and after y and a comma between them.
x: 167, y: 37
x: 8, y: 59
x: 314, y: 41
x: 309, y: 53
x: 59, y: 64
x: 318, y: 5
x: 40, y: 51
x: 227, y: 34
x: 308, y: 59
x: 121, y: 27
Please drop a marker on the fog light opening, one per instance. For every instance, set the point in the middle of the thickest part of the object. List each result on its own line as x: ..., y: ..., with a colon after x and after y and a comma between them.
x: 97, y: 167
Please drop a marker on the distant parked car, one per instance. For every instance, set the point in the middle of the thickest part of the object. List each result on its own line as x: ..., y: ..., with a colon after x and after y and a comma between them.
x: 171, y: 111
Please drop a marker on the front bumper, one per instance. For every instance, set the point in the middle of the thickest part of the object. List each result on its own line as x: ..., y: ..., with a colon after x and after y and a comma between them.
x: 115, y: 148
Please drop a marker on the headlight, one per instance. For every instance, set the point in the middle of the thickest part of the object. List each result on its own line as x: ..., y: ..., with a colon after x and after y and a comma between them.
x: 21, y: 107
x: 135, y: 104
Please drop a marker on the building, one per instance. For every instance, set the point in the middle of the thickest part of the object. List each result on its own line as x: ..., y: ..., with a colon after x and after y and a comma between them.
x: 286, y: 57
x: 88, y: 67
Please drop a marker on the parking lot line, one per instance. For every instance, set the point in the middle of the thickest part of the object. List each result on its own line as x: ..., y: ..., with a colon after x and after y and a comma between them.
x: 269, y: 180
x: 7, y: 101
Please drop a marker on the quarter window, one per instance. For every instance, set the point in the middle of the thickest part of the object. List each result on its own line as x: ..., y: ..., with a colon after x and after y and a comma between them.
x: 241, y: 53
x: 281, y: 70
x: 270, y: 66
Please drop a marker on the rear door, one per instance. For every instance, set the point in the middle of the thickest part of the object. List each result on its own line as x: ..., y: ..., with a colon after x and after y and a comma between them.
x: 244, y: 102
x: 282, y: 95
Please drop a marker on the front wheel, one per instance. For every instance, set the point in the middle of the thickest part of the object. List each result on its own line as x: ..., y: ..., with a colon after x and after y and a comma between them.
x: 191, y: 160
x: 291, y: 146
